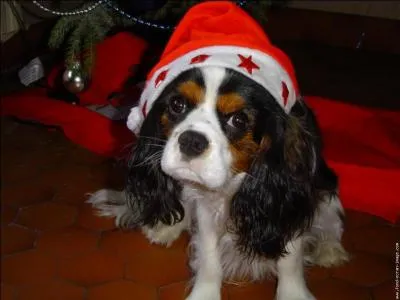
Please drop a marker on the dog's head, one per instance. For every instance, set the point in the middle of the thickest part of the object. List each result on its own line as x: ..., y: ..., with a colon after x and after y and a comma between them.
x: 211, y: 124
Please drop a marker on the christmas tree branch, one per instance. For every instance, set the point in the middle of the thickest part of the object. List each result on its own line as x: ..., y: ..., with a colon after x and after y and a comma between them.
x: 60, y: 31
x: 83, y: 31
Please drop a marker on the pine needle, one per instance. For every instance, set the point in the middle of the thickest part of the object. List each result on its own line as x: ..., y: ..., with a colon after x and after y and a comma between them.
x: 74, y: 45
x: 88, y: 54
x: 62, y: 28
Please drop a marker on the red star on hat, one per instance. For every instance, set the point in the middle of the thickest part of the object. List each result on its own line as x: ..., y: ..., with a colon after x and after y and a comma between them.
x: 247, y: 63
x: 285, y: 93
x: 161, y: 77
x: 144, y: 108
x: 199, y: 58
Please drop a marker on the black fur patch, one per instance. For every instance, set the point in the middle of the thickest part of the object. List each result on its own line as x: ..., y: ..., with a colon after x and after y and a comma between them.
x: 152, y: 195
x: 278, y: 199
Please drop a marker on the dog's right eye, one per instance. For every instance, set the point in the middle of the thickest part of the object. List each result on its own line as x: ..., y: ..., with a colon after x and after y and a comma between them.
x: 177, y: 105
x: 239, y: 121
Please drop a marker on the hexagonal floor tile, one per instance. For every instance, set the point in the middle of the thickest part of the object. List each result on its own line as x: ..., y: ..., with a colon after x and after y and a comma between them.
x: 158, y: 267
x: 384, y: 237
x: 47, y: 216
x: 385, y: 291
x: 110, y: 173
x: 365, y: 270
x: 30, y: 267
x: 181, y: 244
x: 127, y: 243
x: 27, y: 194
x: 81, y: 156
x: 174, y: 291
x: 122, y: 290
x: 68, y: 174
x: 7, y: 292
x: 316, y: 273
x: 76, y: 192
x: 92, y: 268
x: 347, y: 242
x: 52, y: 290
x: 16, y: 238
x: 334, y: 289
x: 356, y: 219
x: 43, y: 147
x: 254, y: 291
x: 69, y: 242
x: 15, y: 173
x: 8, y: 214
x: 87, y: 218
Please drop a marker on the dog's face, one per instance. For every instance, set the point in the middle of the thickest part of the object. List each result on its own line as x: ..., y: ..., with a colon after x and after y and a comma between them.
x: 210, y: 120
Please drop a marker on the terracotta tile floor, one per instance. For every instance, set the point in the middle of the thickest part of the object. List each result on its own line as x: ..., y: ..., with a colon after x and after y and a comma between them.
x: 54, y: 248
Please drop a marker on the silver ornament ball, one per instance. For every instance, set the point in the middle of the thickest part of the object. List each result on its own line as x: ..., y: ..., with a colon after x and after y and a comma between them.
x: 73, y: 79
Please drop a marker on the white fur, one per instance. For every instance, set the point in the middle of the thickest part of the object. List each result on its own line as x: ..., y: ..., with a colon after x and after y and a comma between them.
x: 212, y: 169
x: 291, y: 283
x: 214, y: 256
x: 208, y: 276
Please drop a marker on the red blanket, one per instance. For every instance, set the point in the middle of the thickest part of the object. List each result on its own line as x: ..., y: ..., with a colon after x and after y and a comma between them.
x: 361, y: 145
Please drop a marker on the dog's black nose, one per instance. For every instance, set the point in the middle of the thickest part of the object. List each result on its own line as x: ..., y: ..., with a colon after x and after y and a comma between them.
x: 192, y: 143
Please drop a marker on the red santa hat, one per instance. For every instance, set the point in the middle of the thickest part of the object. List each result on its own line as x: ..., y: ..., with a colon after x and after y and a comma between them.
x: 219, y: 33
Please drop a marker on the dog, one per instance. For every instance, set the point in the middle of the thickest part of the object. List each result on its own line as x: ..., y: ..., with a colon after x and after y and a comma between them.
x: 245, y: 179
x: 219, y: 156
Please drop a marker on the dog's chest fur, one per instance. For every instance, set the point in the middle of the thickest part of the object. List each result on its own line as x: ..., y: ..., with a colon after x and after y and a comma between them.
x: 236, y: 266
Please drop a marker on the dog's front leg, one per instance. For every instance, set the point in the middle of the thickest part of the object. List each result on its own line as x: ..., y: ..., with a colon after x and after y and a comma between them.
x: 206, y: 261
x: 291, y: 282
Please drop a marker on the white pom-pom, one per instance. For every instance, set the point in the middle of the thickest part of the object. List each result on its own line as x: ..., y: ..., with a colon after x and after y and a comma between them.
x: 135, y: 120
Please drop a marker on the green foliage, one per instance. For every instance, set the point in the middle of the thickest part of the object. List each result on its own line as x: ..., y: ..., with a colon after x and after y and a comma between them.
x: 79, y: 34
x: 60, y: 30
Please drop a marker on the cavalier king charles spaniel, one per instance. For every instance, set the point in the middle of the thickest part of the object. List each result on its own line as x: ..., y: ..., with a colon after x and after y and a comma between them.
x: 217, y: 156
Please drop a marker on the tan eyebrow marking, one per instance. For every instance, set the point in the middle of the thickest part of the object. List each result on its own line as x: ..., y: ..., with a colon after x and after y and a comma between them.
x: 192, y: 91
x: 229, y: 103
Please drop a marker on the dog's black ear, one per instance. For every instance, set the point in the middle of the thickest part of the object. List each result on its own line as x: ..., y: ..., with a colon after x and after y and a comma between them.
x: 277, y: 199
x: 152, y: 195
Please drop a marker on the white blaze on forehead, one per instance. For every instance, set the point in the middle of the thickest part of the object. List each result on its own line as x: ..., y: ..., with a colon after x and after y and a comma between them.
x: 213, y: 78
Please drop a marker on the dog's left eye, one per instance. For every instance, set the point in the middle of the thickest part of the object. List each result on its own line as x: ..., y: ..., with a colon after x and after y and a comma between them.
x: 238, y: 120
x: 177, y: 105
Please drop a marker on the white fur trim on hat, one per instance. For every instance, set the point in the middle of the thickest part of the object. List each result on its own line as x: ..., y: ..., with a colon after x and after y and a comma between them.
x: 135, y: 120
x: 257, y: 65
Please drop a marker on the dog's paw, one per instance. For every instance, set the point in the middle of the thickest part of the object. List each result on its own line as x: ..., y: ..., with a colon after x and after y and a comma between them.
x: 308, y: 296
x: 163, y: 234
x: 111, y: 204
x: 330, y: 253
x: 288, y: 294
x: 208, y: 291
x: 295, y: 298
x: 293, y: 290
